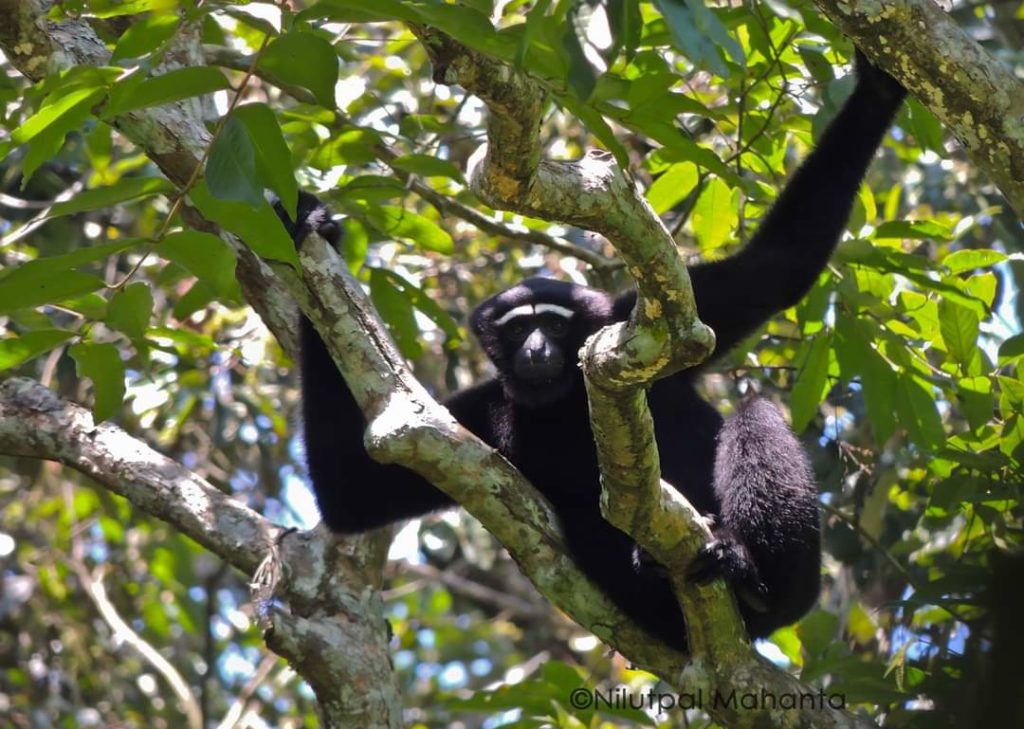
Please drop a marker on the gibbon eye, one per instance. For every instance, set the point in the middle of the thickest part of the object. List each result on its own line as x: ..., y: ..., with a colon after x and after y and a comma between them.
x: 556, y: 326
x: 516, y: 329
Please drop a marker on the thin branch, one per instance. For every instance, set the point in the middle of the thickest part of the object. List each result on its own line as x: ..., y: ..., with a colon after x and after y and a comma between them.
x: 234, y: 714
x: 93, y: 584
x: 482, y: 594
x: 43, y: 215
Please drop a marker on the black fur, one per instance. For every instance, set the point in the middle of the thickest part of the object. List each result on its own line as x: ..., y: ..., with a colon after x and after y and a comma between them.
x: 749, y: 472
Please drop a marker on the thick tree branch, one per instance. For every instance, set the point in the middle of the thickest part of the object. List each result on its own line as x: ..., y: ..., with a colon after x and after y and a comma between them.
x: 335, y: 635
x: 978, y: 97
x: 34, y: 422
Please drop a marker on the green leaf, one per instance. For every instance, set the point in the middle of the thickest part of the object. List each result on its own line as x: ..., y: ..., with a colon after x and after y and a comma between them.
x: 425, y: 165
x: 273, y: 159
x: 1011, y: 395
x: 129, y: 188
x: 115, y: 8
x: 398, y: 222
x: 811, y: 381
x: 918, y: 414
x: 102, y: 364
x: 913, y: 229
x: 857, y: 358
x: 130, y: 309
x: 32, y: 285
x: 699, y: 35
x: 672, y: 187
x: 91, y: 305
x: 818, y: 66
x: 426, y: 305
x: 879, y: 385
x: 206, y: 257
x: 817, y: 631
x: 231, y: 167
x: 360, y: 11
x: 55, y: 265
x: 680, y: 148
x: 306, y: 60
x: 48, y: 145
x: 15, y: 350
x: 536, y: 19
x: 596, y: 125
x: 1011, y: 348
x: 54, y: 109
x: 351, y: 147
x: 715, y: 214
x: 1012, y: 441
x: 260, y: 228
x: 138, y: 92
x: 626, y: 25
x: 966, y: 260
x: 581, y: 76
x: 396, y: 310
x: 373, y: 189
x: 64, y: 111
x: 356, y: 243
x: 975, y: 395
x: 927, y: 130
x: 707, y: 22
x: 867, y: 201
x: 982, y: 286
x: 196, y: 298
x: 145, y: 35
x: 959, y: 326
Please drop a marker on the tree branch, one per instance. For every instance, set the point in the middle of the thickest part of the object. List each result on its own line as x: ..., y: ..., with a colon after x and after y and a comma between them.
x: 978, y: 97
x: 34, y: 422
x: 94, y: 587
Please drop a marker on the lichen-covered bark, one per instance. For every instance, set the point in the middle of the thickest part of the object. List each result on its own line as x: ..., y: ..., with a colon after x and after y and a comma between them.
x: 978, y: 97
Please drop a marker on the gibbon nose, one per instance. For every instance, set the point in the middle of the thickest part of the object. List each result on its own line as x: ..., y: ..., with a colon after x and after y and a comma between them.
x: 538, y: 359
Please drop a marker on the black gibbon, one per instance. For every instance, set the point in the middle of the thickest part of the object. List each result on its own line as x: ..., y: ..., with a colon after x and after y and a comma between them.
x: 748, y: 471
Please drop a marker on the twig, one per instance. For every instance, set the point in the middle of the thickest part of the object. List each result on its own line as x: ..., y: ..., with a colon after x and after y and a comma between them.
x: 92, y: 582
x: 238, y: 706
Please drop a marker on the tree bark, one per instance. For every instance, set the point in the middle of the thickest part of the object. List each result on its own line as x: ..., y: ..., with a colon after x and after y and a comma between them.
x: 978, y: 97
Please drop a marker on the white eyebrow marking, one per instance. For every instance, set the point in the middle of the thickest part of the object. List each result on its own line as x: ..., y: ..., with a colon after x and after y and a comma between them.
x: 523, y: 310
x: 554, y: 309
